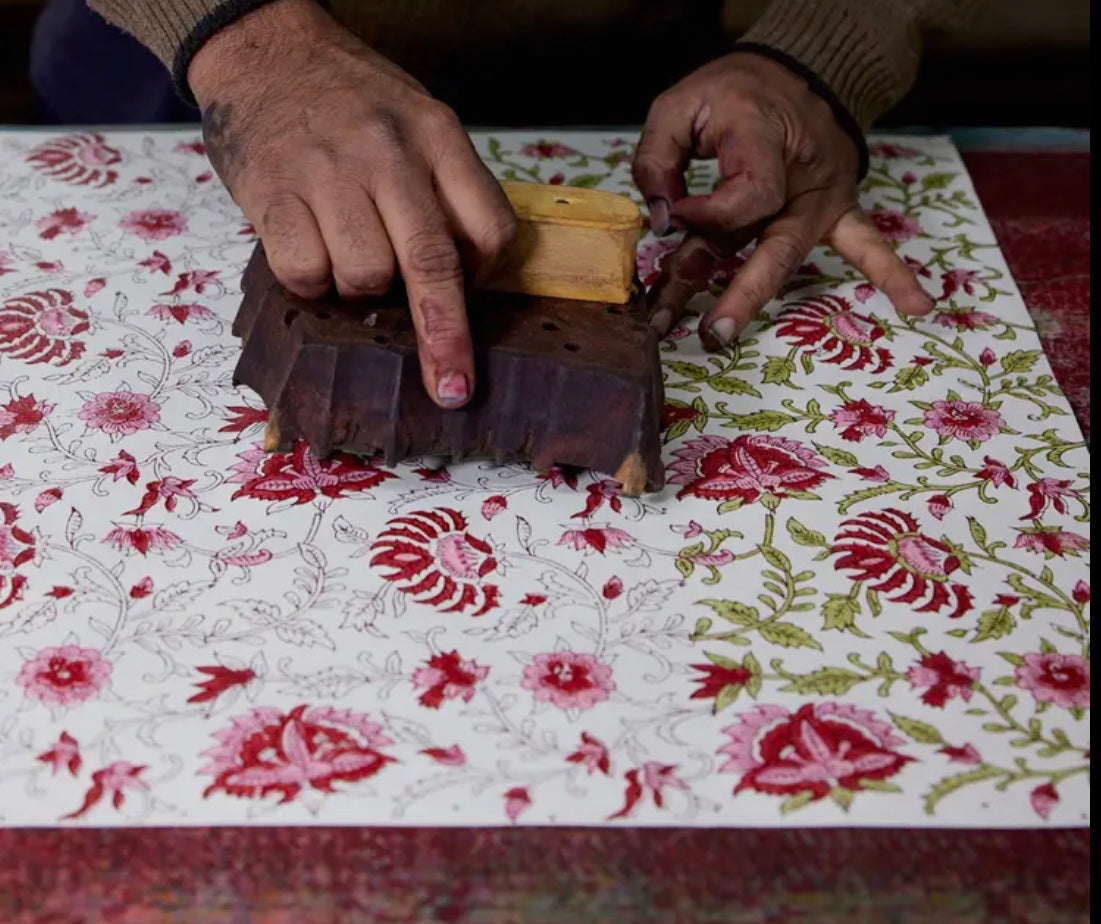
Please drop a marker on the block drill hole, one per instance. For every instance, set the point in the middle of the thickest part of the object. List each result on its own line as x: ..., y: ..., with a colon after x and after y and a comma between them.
x: 614, y: 309
x: 549, y: 325
x: 381, y: 340
x: 562, y: 201
x: 570, y: 347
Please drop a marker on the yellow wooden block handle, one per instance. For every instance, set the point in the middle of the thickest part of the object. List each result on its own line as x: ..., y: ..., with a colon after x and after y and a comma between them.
x: 571, y: 243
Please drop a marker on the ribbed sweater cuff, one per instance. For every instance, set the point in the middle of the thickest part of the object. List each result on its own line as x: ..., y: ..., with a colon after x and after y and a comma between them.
x: 865, y: 52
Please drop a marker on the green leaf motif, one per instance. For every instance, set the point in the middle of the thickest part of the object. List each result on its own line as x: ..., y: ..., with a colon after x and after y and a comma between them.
x: 910, y: 377
x: 1020, y: 360
x: 826, y: 681
x: 588, y: 180
x: 727, y: 696
x: 741, y: 614
x: 703, y: 626
x: 937, y: 180
x: 838, y: 456
x: 793, y: 803
x: 921, y: 732
x: 778, y: 370
x: 997, y: 623
x: 865, y: 494
x: 776, y: 558
x: 687, y: 370
x: 766, y: 421
x: 978, y: 532
x: 787, y: 635
x: 840, y: 612
x: 732, y: 385
x: 805, y: 536
x: 958, y: 781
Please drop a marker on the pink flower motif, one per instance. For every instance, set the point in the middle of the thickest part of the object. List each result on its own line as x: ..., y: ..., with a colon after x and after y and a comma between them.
x: 1081, y: 593
x: 494, y: 505
x: 180, y: 313
x: 957, y: 279
x: 997, y: 473
x: 64, y: 755
x: 1062, y: 679
x: 64, y: 676
x: 865, y: 291
x: 43, y: 327
x: 746, y: 468
x: 651, y: 255
x: 818, y: 748
x: 433, y: 475
x: 827, y: 329
x: 909, y: 178
x: 987, y: 357
x: 62, y: 221
x: 595, y: 539
x: 17, y: 547
x: 613, y: 588
x: 1051, y: 541
x: 517, y: 800
x: 961, y: 755
x: 690, y: 531
x: 142, y: 539
x: 50, y: 266
x: 157, y: 263
x: 5, y: 263
x: 971, y: 421
x: 447, y: 676
x: 452, y: 756
x: 6, y: 471
x: 123, y: 465
x: 877, y: 475
x: 268, y: 751
x: 93, y: 286
x: 181, y: 349
x: 80, y: 159
x: 943, y: 679
x: 895, y: 226
x: 544, y: 150
x: 559, y: 476
x: 858, y: 419
x: 46, y: 499
x: 599, y: 492
x: 568, y: 679
x: 142, y: 589
x: 191, y: 147
x: 22, y: 415
x: 652, y: 777
x: 199, y: 280
x: 1048, y: 491
x: 964, y: 319
x: 938, y: 505
x: 120, y: 413
x: 113, y: 780
x: 592, y: 754
x: 1043, y: 799
x: 154, y: 224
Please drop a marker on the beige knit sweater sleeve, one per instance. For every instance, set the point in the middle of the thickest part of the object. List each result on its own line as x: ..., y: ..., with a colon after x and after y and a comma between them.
x: 866, y: 51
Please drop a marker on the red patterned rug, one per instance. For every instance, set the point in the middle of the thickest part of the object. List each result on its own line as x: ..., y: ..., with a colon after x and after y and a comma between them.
x: 1038, y: 204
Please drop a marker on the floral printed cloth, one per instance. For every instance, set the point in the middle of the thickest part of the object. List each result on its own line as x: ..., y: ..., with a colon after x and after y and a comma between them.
x: 862, y: 600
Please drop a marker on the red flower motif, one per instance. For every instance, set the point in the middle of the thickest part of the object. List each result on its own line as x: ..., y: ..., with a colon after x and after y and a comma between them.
x: 817, y: 749
x: 652, y: 777
x: 46, y: 499
x: 432, y: 557
x: 142, y: 539
x: 120, y: 413
x: 592, y: 754
x: 268, y: 751
x: 181, y: 349
x: 828, y: 328
x: 1048, y: 491
x: 433, y: 475
x: 943, y: 679
x: 517, y: 800
x: 939, y: 505
x: 533, y: 600
x: 1081, y: 593
x: 43, y: 327
x: 547, y: 149
x: 241, y: 417
x: 957, y: 279
x: 568, y: 679
x: 17, y: 547
x: 494, y: 505
x: 191, y: 147
x: 613, y: 587
x: 987, y: 357
x: 600, y: 492
x: 651, y: 256
x: 299, y: 476
x: 64, y: 676
x: 675, y: 412
x: 997, y: 473
x: 1043, y: 799
x: 199, y: 280
x: 879, y: 474
x: 447, y: 676
x: 180, y: 312
x: 123, y: 465
x: 157, y: 263
x: 154, y: 224
x: 961, y: 755
x: 452, y: 756
x: 1062, y: 679
x: 745, y: 468
x: 971, y: 421
x: 62, y: 221
x: 559, y: 476
x: 22, y: 415
x: 892, y: 151
x: 219, y: 679
x: 113, y: 780
x: 858, y: 419
x: 887, y: 547
x: 964, y: 319
x: 82, y: 160
x: 716, y: 678
x: 169, y: 489
x: 93, y: 286
x: 1051, y: 541
x: 895, y: 226
x: 64, y: 755
x: 59, y: 592
x: 50, y: 266
x: 143, y: 588
x: 595, y: 539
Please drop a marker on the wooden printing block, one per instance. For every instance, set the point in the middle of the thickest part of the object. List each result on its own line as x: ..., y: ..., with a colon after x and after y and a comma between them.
x: 559, y: 381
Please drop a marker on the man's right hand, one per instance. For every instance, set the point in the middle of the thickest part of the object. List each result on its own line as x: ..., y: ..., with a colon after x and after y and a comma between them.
x: 347, y: 168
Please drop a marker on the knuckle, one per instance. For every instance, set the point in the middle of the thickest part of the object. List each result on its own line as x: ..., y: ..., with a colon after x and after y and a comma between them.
x: 364, y: 279
x: 439, y: 119
x: 299, y: 272
x: 789, y: 251
x: 385, y: 128
x: 433, y: 258
x: 443, y: 328
x: 499, y: 233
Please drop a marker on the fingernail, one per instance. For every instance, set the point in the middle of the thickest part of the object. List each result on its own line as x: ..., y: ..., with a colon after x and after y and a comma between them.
x: 662, y: 321
x: 659, y: 216
x: 453, y: 388
x: 725, y: 330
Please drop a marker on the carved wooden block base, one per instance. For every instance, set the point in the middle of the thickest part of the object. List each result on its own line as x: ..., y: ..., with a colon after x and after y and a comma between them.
x: 559, y: 382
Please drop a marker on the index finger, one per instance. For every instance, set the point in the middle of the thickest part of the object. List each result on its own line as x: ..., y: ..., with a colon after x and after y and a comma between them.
x: 433, y: 274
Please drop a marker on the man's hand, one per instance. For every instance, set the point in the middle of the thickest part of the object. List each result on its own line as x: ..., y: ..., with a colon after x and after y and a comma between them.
x: 346, y: 167
x: 788, y: 179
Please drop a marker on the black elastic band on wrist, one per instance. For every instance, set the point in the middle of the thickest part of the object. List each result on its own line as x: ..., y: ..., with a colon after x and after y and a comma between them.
x: 820, y: 88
